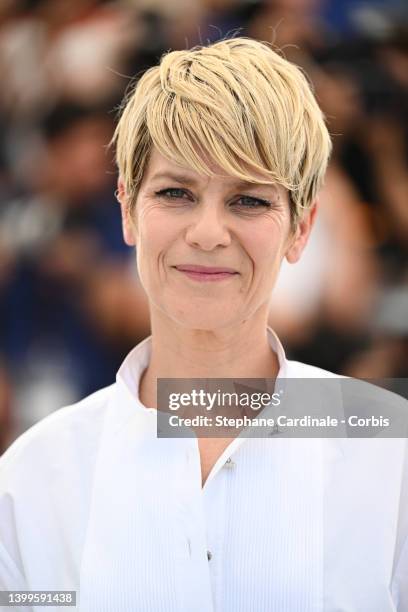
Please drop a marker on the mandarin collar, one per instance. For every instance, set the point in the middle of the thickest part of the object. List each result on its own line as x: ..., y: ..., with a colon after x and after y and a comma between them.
x: 130, y: 372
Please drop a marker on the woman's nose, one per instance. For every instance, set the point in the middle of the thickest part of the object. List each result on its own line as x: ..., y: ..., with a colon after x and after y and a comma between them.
x: 208, y: 229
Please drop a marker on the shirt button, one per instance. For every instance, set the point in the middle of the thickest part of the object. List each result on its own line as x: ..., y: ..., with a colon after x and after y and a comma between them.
x: 209, y: 555
x: 229, y: 463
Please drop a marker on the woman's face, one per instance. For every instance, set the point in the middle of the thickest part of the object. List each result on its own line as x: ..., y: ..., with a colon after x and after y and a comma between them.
x: 182, y: 219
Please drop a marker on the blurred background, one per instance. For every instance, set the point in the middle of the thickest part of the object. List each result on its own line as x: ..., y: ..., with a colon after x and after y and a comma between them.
x: 71, y: 305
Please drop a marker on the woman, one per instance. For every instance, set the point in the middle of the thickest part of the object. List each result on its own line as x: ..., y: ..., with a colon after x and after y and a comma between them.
x: 221, y: 153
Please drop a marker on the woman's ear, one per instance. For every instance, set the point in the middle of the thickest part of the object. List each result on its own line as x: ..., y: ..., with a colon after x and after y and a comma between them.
x: 128, y: 226
x: 301, y: 235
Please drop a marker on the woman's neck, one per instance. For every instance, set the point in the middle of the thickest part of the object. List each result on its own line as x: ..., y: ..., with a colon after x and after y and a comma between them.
x: 243, y: 352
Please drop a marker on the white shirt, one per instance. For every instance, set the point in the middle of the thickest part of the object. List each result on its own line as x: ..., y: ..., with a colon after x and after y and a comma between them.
x: 91, y: 500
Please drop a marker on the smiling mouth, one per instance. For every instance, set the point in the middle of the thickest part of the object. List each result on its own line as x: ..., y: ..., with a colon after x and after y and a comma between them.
x: 204, y: 273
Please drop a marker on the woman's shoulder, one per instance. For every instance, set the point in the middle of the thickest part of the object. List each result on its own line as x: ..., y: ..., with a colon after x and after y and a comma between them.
x: 71, y: 432
x: 382, y: 391
x: 46, y: 479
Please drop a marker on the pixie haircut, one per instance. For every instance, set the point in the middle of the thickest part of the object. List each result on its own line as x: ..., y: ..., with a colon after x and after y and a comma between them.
x: 236, y: 102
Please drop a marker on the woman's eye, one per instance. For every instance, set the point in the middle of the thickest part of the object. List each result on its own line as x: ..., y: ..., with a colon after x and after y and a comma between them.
x: 172, y: 193
x: 243, y: 202
x: 251, y: 202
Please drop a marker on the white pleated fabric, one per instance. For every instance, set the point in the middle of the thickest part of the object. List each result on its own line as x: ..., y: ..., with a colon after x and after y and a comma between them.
x: 92, y: 501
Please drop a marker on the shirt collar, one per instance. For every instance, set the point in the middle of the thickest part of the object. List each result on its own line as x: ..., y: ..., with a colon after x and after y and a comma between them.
x: 132, y: 368
x: 128, y: 418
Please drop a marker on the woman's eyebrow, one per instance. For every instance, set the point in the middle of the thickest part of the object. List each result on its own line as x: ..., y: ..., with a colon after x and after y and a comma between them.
x: 187, y: 180
x: 179, y: 178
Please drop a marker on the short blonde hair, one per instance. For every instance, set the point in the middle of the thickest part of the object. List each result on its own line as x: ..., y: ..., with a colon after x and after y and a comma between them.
x: 239, y: 103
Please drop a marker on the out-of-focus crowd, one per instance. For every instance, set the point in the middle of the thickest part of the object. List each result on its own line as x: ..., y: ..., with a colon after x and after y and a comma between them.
x: 71, y: 304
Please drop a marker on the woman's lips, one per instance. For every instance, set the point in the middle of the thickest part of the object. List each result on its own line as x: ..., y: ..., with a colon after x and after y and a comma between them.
x: 205, y: 273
